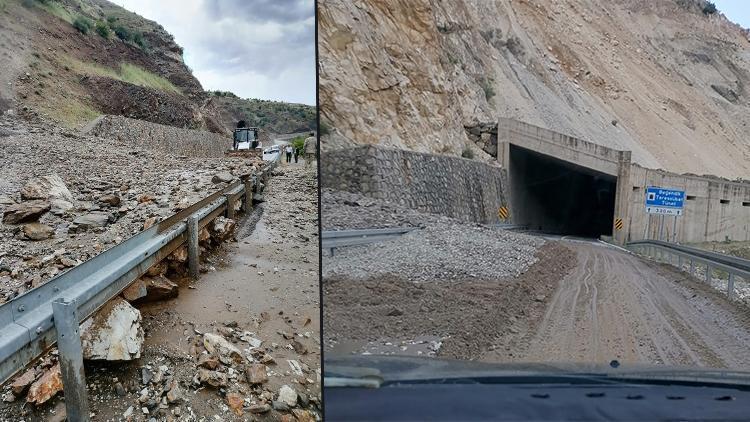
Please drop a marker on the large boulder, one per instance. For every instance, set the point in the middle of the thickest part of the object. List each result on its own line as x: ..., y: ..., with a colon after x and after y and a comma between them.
x: 114, y: 333
x: 25, y: 211
x: 47, y: 188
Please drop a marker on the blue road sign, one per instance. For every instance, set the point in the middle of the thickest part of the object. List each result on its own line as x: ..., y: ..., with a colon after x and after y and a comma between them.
x: 664, y: 201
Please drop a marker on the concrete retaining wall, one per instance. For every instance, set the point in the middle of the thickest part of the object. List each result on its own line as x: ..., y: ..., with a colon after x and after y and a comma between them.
x: 169, y: 139
x: 715, y: 209
x: 452, y: 186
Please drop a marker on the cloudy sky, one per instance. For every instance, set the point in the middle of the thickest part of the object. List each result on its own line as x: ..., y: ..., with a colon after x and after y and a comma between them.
x: 736, y: 10
x: 254, y: 48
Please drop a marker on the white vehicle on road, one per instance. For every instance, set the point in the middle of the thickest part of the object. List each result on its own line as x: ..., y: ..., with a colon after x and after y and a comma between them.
x: 271, y: 153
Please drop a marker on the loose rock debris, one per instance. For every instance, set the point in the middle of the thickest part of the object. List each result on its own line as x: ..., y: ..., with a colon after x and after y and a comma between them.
x: 87, y: 194
x: 58, y: 231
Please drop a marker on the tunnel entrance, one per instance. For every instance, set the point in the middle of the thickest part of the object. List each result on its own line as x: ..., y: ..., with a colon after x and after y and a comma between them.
x: 559, y: 197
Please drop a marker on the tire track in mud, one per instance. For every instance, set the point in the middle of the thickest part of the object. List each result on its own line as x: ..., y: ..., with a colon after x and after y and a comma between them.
x: 614, y: 305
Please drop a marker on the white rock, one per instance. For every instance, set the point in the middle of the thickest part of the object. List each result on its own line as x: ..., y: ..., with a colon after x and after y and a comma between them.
x: 114, y: 333
x: 296, y: 367
x: 218, y: 345
x: 252, y: 341
x: 288, y: 396
x: 60, y: 206
x: 46, y: 187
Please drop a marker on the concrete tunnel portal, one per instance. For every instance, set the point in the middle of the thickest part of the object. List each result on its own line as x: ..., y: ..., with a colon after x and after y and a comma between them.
x: 556, y: 196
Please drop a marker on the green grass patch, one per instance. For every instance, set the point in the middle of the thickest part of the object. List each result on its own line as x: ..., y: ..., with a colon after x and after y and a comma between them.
x: 127, y: 72
x: 139, y: 76
x: 56, y: 9
x: 72, y: 113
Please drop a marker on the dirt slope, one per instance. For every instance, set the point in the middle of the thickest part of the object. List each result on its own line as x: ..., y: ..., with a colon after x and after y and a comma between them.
x: 50, y: 69
x: 659, y: 78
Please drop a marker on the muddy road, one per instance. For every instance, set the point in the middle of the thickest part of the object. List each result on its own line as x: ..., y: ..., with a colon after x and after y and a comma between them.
x: 580, y: 302
x: 258, y: 294
x: 265, y: 284
x: 614, y: 305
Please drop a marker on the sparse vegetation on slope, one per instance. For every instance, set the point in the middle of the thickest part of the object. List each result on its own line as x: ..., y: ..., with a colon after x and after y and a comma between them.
x: 54, y: 8
x: 82, y: 24
x: 709, y: 8
x: 127, y: 73
x: 273, y: 116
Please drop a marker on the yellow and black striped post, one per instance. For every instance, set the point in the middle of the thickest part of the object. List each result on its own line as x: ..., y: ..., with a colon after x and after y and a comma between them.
x: 503, y: 213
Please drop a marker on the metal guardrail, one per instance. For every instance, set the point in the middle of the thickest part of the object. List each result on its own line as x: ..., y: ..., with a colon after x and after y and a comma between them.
x: 341, y: 238
x: 667, y: 252
x: 30, y: 325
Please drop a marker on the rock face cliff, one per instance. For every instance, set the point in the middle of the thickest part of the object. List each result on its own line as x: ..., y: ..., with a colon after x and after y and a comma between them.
x: 661, y: 78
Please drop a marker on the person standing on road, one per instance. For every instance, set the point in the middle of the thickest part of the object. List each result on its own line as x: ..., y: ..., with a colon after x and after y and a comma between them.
x: 311, y: 149
x: 296, y: 154
x: 288, y: 151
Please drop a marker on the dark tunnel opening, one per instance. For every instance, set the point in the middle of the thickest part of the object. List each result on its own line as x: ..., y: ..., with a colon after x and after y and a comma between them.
x: 555, y: 196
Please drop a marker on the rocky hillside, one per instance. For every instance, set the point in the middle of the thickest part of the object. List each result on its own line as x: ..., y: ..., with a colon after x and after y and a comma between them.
x: 664, y: 78
x: 71, y: 60
x: 273, y: 116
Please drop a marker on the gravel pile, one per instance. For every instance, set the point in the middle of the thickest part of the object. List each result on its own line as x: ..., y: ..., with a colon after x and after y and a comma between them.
x: 345, y: 210
x: 441, y: 251
x: 444, y: 249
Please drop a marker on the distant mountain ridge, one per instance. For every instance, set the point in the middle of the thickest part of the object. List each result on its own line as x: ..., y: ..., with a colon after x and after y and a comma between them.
x: 273, y: 116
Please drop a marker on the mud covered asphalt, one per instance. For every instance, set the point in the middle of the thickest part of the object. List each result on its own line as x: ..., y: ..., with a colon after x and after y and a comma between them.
x: 580, y: 302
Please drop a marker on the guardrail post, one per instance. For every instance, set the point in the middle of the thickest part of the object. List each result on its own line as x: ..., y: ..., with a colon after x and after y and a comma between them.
x: 230, y: 206
x: 192, y: 245
x: 692, y: 266
x: 248, y: 195
x: 679, y: 261
x: 730, y: 285
x: 71, y: 359
x: 709, y: 273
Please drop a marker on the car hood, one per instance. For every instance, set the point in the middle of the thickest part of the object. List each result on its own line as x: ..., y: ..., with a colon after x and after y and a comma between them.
x: 422, y: 369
